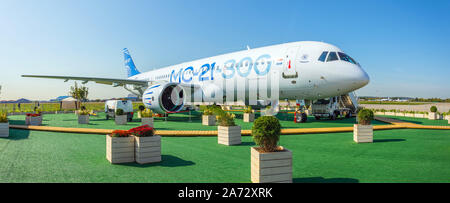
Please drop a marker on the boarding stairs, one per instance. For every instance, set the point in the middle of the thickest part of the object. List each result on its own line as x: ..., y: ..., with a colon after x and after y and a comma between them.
x: 349, y: 101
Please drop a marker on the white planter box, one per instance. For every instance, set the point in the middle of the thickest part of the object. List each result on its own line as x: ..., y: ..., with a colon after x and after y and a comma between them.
x: 308, y: 112
x: 119, y: 149
x: 419, y: 115
x: 139, y: 114
x: 399, y: 114
x: 209, y: 120
x: 147, y: 149
x: 362, y: 133
x: 249, y: 117
x: 121, y: 120
x: 379, y: 113
x: 147, y: 121
x: 409, y: 114
x: 4, y: 129
x: 447, y: 117
x: 30, y: 120
x: 83, y: 119
x: 272, y: 167
x: 389, y: 113
x: 229, y: 135
x: 432, y: 116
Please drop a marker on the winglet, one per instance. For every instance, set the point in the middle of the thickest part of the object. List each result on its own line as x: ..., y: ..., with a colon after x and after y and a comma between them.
x: 129, y: 64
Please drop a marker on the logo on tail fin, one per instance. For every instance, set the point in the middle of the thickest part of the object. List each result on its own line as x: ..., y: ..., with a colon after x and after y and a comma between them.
x: 129, y: 64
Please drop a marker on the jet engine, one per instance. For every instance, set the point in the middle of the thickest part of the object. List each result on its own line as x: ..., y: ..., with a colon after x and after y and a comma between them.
x: 164, y: 97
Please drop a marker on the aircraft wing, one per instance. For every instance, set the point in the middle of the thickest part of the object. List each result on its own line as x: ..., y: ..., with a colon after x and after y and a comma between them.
x: 106, y: 81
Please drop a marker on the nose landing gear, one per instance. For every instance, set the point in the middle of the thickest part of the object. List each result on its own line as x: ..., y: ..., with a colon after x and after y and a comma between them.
x: 300, y: 117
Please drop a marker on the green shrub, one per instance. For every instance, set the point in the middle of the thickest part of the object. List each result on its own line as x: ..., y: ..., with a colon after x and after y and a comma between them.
x: 266, y: 133
x: 365, y: 117
x: 3, y: 117
x: 141, y: 107
x: 83, y: 112
x: 119, y: 112
x: 146, y: 113
x: 433, y: 109
x: 248, y: 109
x: 224, y: 118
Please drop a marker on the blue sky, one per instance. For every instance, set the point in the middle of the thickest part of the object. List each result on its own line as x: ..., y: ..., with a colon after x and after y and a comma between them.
x: 402, y: 44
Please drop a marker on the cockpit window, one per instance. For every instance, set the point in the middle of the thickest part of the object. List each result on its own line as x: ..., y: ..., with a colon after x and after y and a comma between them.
x: 347, y: 58
x: 323, y: 56
x: 332, y: 57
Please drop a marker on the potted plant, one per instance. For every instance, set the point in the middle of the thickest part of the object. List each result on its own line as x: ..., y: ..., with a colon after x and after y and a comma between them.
x: 208, y: 117
x: 399, y: 113
x: 147, y: 145
x: 363, y: 132
x: 307, y: 110
x: 447, y: 116
x: 147, y: 117
x: 409, y: 114
x: 33, y: 119
x: 83, y: 117
x: 270, y: 163
x: 390, y: 112
x: 141, y: 108
x: 433, y: 113
x: 120, y: 117
x: 249, y: 116
x: 4, y: 124
x: 120, y: 147
x: 228, y: 133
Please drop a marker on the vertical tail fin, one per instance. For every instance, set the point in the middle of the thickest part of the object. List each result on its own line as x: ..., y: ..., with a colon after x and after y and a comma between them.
x: 129, y: 64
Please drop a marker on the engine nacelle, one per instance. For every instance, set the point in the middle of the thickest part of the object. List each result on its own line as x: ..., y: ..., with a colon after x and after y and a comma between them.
x: 164, y: 97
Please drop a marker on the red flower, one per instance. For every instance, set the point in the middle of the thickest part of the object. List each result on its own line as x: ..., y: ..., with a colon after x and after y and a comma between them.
x: 142, y: 131
x: 120, y: 133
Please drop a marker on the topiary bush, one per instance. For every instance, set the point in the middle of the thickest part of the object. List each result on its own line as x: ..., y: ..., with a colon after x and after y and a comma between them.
x: 224, y: 118
x: 266, y: 133
x: 433, y: 109
x: 141, y: 107
x: 365, y: 116
x: 3, y: 117
x: 248, y: 109
x: 119, y: 112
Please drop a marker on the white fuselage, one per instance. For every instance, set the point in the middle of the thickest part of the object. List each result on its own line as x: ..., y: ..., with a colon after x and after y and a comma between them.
x: 301, y: 74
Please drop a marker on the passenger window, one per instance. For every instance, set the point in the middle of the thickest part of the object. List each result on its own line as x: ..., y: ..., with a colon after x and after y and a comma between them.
x: 323, y: 56
x: 332, y: 57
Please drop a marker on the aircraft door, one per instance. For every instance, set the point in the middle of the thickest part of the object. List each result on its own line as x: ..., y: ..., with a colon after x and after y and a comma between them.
x: 289, y: 70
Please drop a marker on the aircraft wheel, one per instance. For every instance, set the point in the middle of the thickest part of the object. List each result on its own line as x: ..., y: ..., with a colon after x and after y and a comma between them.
x: 304, y: 118
x: 349, y: 114
x: 333, y: 117
x: 107, y: 117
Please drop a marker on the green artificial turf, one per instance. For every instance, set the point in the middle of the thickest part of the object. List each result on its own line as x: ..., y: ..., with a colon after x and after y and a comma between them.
x: 421, y: 121
x: 405, y: 155
x: 180, y: 122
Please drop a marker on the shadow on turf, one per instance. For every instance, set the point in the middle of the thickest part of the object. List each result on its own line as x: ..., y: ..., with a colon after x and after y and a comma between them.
x: 16, y: 134
x: 389, y: 140
x: 167, y: 161
x: 325, y: 180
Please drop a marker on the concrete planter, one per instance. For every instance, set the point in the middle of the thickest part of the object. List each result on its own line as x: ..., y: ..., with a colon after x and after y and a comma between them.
x: 4, y: 129
x: 419, y: 115
x: 147, y: 121
x: 271, y: 167
x: 147, y: 149
x: 362, y: 133
x: 379, y: 113
x: 432, y: 116
x: 30, y: 120
x: 389, y: 113
x: 399, y: 114
x: 121, y: 120
x: 119, y: 149
x: 308, y: 112
x: 83, y: 119
x: 229, y: 135
x: 249, y: 117
x: 209, y: 120
x: 447, y: 117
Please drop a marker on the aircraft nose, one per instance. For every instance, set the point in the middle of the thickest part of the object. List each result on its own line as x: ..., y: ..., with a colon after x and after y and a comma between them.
x: 360, y: 78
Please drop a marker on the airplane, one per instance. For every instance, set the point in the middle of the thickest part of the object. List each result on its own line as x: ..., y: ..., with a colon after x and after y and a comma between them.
x: 306, y: 70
